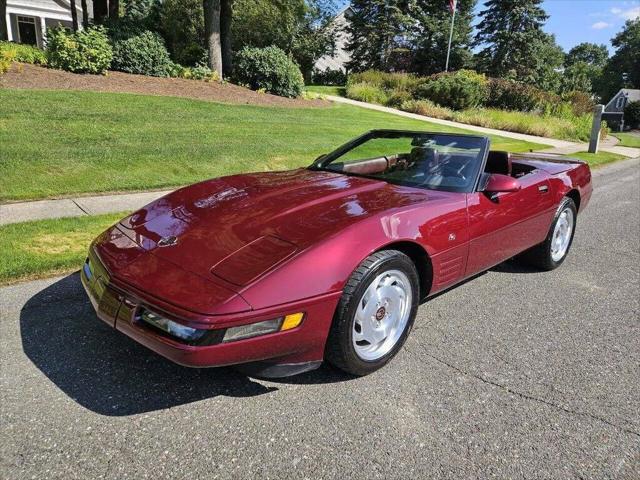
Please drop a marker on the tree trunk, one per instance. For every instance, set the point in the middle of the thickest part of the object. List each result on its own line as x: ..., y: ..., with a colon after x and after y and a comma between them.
x: 4, y: 30
x: 74, y: 15
x: 100, y: 10
x: 226, y: 17
x: 114, y: 9
x: 212, y: 34
x: 85, y: 13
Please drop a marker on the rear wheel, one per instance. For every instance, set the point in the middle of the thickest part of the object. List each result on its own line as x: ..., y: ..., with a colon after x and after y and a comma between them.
x: 552, y: 252
x: 375, y: 314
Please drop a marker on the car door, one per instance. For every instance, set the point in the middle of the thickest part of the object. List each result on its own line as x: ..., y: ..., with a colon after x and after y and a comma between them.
x: 504, y: 224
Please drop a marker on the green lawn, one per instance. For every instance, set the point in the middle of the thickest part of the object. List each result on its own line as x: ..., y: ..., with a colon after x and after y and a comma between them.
x: 326, y: 90
x: 57, y: 143
x: 48, y: 247
x: 596, y: 159
x: 628, y: 139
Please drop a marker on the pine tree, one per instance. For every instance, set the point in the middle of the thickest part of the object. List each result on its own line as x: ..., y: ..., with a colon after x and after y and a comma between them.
x: 515, y: 45
x: 430, y: 33
x: 378, y: 30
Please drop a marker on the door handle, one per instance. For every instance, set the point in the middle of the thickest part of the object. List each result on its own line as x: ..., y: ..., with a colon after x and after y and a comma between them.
x: 543, y: 188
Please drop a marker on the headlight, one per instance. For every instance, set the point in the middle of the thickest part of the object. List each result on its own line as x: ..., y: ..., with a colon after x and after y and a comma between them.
x: 264, y: 327
x: 169, y: 326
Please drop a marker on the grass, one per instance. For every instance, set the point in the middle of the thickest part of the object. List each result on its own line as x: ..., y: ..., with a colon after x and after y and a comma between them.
x: 326, y: 90
x: 43, y: 248
x: 596, y: 159
x: 57, y: 143
x: 628, y: 139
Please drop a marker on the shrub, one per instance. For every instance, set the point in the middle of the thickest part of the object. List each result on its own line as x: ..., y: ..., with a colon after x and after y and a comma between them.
x: 397, y: 98
x: 365, y: 92
x: 428, y: 108
x: 268, y: 69
x: 199, y: 72
x: 144, y: 54
x: 511, y: 95
x: 84, y: 51
x: 329, y: 77
x: 7, y: 57
x: 581, y: 102
x: 458, y: 90
x: 24, y: 53
x: 386, y: 81
x: 632, y: 115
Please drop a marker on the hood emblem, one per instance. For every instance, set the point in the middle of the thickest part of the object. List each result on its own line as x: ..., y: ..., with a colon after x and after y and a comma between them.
x: 168, y: 241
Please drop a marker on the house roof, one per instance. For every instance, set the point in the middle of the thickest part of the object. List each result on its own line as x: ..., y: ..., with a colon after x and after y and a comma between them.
x: 633, y: 95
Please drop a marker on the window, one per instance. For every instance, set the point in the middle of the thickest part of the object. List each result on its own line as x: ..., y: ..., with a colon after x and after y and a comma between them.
x: 433, y: 161
x: 620, y: 102
x: 27, y: 30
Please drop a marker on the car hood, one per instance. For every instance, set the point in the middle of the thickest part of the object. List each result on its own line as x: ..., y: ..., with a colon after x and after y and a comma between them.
x: 237, y: 228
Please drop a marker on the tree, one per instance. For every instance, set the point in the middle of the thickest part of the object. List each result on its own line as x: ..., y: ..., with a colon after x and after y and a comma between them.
x: 430, y: 34
x: 378, y: 29
x: 299, y: 27
x: 514, y: 44
x: 100, y: 10
x: 182, y: 27
x: 211, y: 10
x: 4, y: 31
x: 74, y: 15
x: 623, y: 68
x: 226, y: 20
x: 85, y: 13
x: 589, y: 53
x: 114, y: 9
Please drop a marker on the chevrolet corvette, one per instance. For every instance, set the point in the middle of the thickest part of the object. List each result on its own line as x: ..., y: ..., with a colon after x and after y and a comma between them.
x: 281, y: 271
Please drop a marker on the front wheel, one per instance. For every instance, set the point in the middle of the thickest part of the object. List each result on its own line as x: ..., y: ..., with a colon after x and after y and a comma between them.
x: 552, y: 252
x: 375, y: 314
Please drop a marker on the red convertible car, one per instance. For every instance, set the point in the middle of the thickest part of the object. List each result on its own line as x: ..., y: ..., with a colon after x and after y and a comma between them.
x: 283, y: 270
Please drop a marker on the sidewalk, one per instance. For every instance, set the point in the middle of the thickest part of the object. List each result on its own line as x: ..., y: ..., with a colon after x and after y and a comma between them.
x: 75, y: 207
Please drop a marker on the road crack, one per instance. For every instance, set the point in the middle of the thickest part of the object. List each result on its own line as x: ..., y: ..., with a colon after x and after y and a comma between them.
x: 532, y: 398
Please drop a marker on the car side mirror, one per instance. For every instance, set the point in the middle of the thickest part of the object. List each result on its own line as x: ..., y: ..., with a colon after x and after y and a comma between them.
x: 498, y: 183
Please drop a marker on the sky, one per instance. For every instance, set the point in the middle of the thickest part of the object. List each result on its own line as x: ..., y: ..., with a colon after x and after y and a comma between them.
x: 577, y: 21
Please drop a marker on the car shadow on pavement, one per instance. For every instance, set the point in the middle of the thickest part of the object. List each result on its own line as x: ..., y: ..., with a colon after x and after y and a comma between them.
x: 105, y: 371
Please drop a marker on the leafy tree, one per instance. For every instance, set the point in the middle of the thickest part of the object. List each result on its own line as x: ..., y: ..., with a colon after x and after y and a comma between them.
x: 298, y: 27
x: 589, y: 53
x: 379, y: 30
x: 623, y: 68
x: 430, y: 34
x: 515, y: 46
x: 182, y: 27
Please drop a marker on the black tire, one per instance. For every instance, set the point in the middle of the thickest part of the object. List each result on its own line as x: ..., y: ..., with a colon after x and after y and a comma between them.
x: 540, y: 256
x: 340, y: 351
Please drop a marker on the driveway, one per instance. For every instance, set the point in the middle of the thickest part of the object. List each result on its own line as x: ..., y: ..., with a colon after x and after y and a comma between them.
x: 514, y: 374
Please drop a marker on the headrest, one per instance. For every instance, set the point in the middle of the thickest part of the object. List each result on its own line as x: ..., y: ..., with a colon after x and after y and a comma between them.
x: 498, y: 162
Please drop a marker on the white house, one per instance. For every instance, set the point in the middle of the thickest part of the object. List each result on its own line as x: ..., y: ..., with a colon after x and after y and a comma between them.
x: 28, y: 20
x: 341, y: 55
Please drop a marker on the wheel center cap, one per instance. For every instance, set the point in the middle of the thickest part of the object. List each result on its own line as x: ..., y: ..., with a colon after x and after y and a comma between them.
x: 380, y: 313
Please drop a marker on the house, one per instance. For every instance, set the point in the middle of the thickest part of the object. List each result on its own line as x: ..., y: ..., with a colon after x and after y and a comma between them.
x: 614, y: 110
x: 28, y: 20
x: 341, y: 55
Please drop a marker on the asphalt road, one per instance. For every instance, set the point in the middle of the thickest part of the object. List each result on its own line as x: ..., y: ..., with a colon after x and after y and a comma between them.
x: 515, y: 374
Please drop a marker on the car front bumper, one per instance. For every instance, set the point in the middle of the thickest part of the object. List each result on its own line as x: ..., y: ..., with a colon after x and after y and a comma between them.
x: 280, y: 353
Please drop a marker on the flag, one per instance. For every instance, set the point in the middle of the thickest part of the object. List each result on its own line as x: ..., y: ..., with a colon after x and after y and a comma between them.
x: 452, y: 5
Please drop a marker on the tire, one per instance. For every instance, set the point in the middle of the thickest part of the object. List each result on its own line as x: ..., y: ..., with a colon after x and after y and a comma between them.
x: 364, y: 336
x: 547, y: 255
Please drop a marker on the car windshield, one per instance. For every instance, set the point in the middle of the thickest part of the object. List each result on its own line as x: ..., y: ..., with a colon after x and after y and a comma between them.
x: 434, y: 161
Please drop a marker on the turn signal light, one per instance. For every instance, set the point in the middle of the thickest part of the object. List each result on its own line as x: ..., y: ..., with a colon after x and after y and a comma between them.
x: 292, y: 321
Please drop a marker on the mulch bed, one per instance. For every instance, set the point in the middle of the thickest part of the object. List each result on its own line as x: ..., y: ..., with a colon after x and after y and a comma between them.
x: 34, y: 77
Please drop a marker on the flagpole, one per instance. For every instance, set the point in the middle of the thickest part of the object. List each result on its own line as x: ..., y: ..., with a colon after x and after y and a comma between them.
x: 453, y: 17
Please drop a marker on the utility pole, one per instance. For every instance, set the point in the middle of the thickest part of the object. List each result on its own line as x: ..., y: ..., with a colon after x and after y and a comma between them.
x: 453, y: 4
